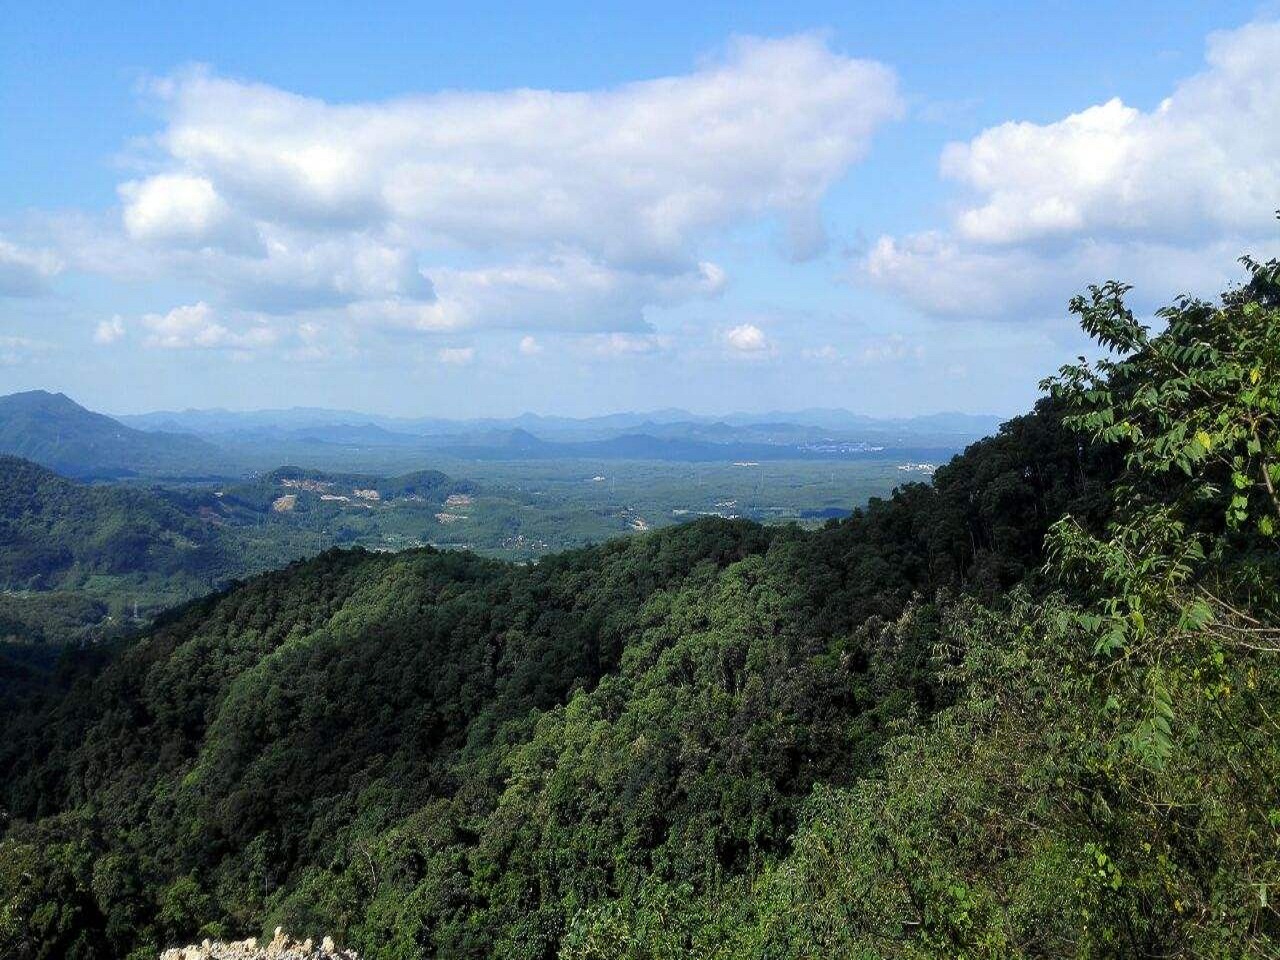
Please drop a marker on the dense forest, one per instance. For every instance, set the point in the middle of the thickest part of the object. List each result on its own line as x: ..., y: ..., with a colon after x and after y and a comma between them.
x: 79, y: 562
x: 58, y: 533
x: 1029, y: 710
x: 57, y: 432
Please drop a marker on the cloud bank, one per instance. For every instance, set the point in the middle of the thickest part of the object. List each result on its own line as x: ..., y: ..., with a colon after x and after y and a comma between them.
x: 527, y: 209
x: 1110, y: 191
x: 26, y: 272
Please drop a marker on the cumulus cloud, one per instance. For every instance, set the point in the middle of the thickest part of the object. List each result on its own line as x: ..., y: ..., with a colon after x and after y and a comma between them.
x: 109, y: 331
x: 942, y: 276
x: 1110, y: 190
x: 517, y: 208
x: 747, y: 340
x: 18, y: 350
x: 529, y: 346
x: 765, y: 130
x: 26, y: 272
x: 1206, y: 159
x: 288, y: 272
x: 184, y: 210
x: 300, y: 272
x: 196, y: 326
x: 566, y: 292
x: 945, y: 277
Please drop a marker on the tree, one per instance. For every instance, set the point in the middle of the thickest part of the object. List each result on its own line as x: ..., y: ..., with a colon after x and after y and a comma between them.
x: 1201, y: 397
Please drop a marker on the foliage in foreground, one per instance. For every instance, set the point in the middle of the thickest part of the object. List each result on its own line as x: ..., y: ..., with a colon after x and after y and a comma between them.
x: 1107, y: 783
x: 1031, y: 711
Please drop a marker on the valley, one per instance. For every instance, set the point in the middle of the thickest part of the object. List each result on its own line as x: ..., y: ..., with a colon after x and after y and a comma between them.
x: 97, y: 557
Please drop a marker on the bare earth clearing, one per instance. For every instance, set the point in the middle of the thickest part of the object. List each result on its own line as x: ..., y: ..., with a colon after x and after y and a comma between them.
x: 280, y: 948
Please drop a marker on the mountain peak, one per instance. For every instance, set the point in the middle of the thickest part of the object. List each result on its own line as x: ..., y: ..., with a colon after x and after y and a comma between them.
x: 56, y: 432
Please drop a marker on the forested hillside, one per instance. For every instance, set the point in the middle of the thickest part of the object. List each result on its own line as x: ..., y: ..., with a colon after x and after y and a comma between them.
x: 57, y: 533
x: 80, y: 561
x: 123, y: 551
x: 57, y: 432
x: 1028, y: 710
x: 87, y: 563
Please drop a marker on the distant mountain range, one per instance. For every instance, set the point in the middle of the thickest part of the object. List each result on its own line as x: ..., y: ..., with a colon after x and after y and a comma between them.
x: 53, y: 430
x: 799, y: 426
x: 519, y: 444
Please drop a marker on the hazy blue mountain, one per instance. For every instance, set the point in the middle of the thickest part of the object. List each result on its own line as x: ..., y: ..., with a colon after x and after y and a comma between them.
x: 950, y: 431
x: 521, y: 445
x: 55, y: 431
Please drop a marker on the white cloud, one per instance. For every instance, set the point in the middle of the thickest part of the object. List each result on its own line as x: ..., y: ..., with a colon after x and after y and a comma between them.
x: 18, y: 350
x: 1206, y: 160
x: 564, y: 292
x: 766, y: 130
x: 518, y: 208
x: 1166, y: 199
x: 298, y: 272
x: 196, y: 326
x: 184, y: 210
x: 943, y: 276
x: 25, y: 272
x: 289, y: 271
x: 747, y: 340
x: 312, y: 343
x: 456, y: 356
x: 109, y: 331
x: 529, y: 346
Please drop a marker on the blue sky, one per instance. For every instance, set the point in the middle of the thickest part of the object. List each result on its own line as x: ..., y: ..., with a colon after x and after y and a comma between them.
x: 587, y: 208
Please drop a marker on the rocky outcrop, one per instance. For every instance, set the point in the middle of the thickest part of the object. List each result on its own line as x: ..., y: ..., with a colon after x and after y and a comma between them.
x: 280, y: 948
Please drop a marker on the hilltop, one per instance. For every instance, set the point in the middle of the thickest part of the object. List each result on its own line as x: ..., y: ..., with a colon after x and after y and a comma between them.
x: 55, y: 431
x: 78, y: 556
